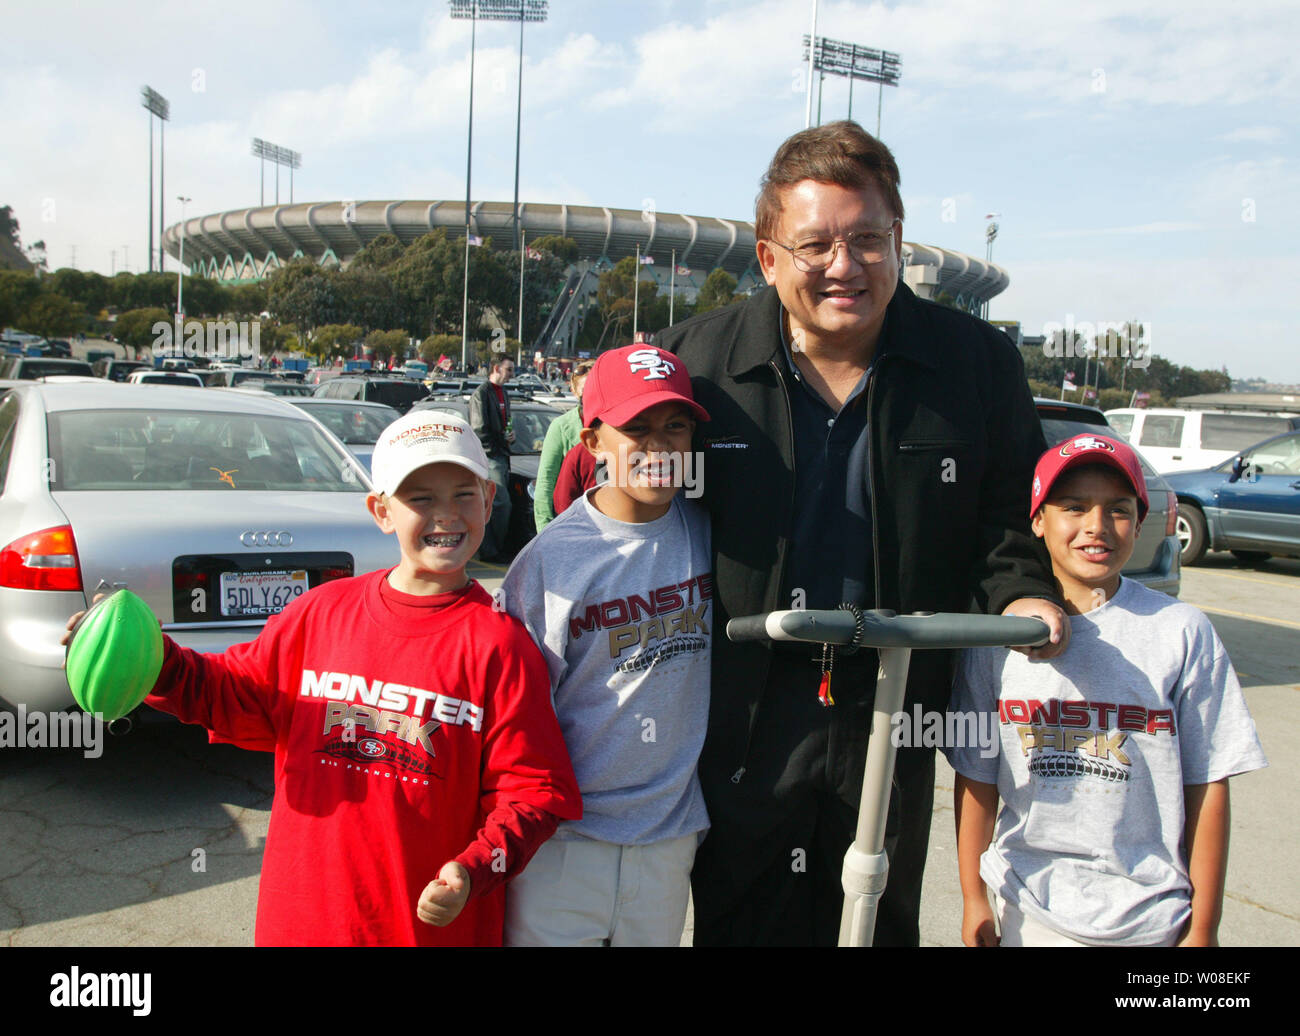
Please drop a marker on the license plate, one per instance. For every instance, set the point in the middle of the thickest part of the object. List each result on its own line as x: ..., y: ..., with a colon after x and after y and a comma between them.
x: 246, y: 595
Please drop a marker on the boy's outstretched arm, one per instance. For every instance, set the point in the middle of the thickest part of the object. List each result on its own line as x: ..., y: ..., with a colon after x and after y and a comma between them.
x: 976, y: 806
x: 1206, y: 837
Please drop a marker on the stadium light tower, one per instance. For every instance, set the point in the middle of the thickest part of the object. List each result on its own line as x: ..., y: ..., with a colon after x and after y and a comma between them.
x: 157, y: 105
x: 180, y: 274
x: 990, y: 235
x: 838, y: 58
x: 280, y: 156
x: 520, y: 11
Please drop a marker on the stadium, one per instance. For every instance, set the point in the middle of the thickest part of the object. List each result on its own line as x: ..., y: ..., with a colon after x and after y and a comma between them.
x: 249, y: 244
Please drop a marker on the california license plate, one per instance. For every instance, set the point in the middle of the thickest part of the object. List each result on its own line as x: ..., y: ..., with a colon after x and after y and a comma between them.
x: 247, y: 595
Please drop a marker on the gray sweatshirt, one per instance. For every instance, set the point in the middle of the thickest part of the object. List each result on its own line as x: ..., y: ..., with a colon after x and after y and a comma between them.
x: 623, y: 614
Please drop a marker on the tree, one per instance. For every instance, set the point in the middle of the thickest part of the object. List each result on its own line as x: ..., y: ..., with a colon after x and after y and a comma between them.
x: 332, y: 339
x: 135, y: 326
x: 17, y: 290
x: 379, y: 254
x: 246, y: 300
x: 563, y: 248
x: 719, y: 290
x: 615, y: 292
x: 386, y: 345
x: 51, y: 316
x: 366, y: 297
x: 302, y: 293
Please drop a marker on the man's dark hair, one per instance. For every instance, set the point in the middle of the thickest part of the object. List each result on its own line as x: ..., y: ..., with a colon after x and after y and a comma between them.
x: 842, y: 153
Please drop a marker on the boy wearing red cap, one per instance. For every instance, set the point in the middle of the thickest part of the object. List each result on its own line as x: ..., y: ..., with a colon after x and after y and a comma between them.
x: 1113, y: 759
x: 617, y: 592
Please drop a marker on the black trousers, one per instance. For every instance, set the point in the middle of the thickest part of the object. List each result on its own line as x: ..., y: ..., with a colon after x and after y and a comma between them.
x: 768, y: 873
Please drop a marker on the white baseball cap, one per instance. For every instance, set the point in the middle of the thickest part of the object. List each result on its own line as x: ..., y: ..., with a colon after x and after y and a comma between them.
x: 424, y: 437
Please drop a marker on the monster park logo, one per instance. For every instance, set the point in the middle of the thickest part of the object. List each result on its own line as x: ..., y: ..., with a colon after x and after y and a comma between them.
x: 652, y: 361
x: 1083, y: 443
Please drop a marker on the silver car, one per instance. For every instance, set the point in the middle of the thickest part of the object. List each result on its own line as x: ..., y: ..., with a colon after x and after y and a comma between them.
x: 217, y: 508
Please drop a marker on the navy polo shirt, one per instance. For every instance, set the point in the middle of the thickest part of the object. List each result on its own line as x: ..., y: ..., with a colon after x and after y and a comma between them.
x: 830, y: 555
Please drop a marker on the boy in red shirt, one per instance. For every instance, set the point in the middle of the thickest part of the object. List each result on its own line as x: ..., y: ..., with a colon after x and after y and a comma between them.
x: 418, y: 761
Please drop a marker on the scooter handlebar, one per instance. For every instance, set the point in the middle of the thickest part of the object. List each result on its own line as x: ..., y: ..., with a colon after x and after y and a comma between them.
x: 885, y: 629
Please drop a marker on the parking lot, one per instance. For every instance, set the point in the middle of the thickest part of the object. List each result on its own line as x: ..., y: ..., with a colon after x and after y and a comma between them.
x: 159, y: 841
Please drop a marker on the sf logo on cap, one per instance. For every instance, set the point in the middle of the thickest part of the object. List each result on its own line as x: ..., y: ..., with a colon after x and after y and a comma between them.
x: 1085, y: 442
x: 652, y: 361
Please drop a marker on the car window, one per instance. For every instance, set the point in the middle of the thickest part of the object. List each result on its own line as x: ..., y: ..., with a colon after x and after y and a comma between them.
x: 1122, y: 423
x: 1057, y: 429
x: 395, y: 393
x: 171, y: 449
x: 1237, y: 431
x: 1280, y: 457
x: 530, y: 430
x: 1162, y: 430
x: 42, y: 368
x: 8, y: 420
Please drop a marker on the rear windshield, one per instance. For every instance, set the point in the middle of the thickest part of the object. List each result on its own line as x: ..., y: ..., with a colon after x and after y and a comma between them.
x: 354, y: 425
x: 1237, y: 431
x: 396, y: 393
x: 173, y: 449
x: 1122, y: 423
x: 239, y: 377
x: 1162, y: 431
x: 44, y: 368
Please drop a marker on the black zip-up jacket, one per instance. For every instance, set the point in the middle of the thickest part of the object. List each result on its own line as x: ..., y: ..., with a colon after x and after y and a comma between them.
x: 954, y: 440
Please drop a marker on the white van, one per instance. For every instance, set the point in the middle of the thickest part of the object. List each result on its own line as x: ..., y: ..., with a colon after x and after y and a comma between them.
x: 1188, y: 440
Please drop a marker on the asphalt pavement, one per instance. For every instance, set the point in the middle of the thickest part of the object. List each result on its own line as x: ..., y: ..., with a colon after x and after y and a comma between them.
x: 158, y: 841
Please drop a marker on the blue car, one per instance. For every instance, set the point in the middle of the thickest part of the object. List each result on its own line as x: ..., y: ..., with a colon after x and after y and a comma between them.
x: 1249, y: 505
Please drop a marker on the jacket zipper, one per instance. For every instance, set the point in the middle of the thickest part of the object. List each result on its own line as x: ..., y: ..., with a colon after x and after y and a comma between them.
x: 789, y: 425
x: 871, y: 481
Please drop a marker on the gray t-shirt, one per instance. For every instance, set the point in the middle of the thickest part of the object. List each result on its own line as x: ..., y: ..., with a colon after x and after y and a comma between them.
x: 623, y: 614
x: 1095, y: 748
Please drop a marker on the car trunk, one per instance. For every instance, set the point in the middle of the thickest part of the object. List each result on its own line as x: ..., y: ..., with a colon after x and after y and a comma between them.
x: 210, y: 577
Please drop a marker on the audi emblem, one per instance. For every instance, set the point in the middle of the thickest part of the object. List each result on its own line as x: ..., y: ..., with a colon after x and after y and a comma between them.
x: 266, y: 539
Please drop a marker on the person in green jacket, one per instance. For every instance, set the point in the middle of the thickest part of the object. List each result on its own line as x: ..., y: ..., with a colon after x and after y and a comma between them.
x: 560, y: 439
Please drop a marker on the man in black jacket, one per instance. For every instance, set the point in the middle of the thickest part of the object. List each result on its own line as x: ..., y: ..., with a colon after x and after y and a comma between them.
x: 489, y: 416
x: 865, y: 447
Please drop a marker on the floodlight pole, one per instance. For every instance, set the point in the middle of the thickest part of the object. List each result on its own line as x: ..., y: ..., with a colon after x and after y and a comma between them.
x: 672, y: 287
x: 469, y: 158
x: 151, y: 193
x: 522, y: 251
x: 812, y: 39
x: 636, y: 290
x: 162, y: 176
x: 180, y: 277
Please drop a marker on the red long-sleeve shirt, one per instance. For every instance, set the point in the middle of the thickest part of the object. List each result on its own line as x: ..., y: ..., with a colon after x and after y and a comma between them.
x: 407, y: 731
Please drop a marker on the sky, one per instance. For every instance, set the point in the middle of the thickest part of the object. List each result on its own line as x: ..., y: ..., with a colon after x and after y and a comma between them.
x: 1141, y: 155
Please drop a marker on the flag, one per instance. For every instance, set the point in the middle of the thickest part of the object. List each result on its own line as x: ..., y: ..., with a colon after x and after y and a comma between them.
x: 1089, y: 394
x: 683, y: 271
x: 1140, y: 399
x: 532, y: 253
x: 1068, y: 384
x: 647, y: 260
x: 475, y: 240
x: 444, y: 362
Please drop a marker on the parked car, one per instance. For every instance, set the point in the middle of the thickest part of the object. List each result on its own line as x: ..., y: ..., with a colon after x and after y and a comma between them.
x: 276, y: 387
x: 216, y: 507
x: 116, y: 370
x: 531, y: 422
x: 356, y: 425
x: 29, y: 368
x: 1249, y: 504
x: 1191, y: 440
x: 1155, y: 560
x: 228, y: 377
x: 153, y: 377
x: 398, y: 393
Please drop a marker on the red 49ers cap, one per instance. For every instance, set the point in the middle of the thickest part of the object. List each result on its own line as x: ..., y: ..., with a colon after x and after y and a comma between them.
x: 1088, y: 449
x: 626, y: 381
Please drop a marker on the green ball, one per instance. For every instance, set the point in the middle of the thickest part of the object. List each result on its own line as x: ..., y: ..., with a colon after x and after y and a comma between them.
x: 114, y: 655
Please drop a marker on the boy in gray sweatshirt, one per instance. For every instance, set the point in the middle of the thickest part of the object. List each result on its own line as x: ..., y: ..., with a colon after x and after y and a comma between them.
x: 617, y: 593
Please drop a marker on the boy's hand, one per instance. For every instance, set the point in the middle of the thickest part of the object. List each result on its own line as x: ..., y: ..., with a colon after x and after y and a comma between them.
x: 977, y: 927
x: 76, y: 619
x: 1058, y: 625
x: 445, y: 897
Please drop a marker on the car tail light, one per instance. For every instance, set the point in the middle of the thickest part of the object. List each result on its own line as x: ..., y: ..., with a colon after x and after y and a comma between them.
x: 326, y: 574
x: 45, y: 560
x: 1171, y: 516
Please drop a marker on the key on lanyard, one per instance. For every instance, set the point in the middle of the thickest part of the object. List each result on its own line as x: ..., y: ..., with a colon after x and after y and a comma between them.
x: 827, y: 663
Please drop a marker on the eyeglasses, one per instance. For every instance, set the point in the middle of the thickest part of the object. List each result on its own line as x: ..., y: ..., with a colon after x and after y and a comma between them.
x: 866, y: 248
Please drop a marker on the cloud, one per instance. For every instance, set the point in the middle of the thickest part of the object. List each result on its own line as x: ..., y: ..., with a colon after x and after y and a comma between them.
x: 1261, y: 134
